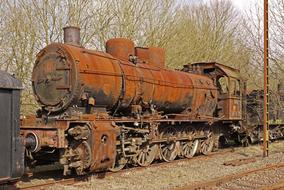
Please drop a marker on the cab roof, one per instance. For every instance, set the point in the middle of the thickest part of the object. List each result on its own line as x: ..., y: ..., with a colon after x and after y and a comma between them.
x: 8, y: 81
x: 210, y: 66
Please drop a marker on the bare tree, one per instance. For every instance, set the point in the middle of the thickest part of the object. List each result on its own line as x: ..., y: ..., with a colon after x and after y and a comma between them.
x: 255, y: 40
x: 29, y: 25
x: 189, y: 32
x: 208, y: 32
x: 147, y: 22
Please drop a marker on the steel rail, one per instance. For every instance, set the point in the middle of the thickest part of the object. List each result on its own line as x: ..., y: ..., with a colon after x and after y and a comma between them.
x: 74, y: 180
x: 277, y: 186
x: 225, y: 179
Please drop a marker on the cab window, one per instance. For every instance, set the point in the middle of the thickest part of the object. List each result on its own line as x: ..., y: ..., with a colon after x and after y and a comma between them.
x: 235, y: 87
x: 223, y: 84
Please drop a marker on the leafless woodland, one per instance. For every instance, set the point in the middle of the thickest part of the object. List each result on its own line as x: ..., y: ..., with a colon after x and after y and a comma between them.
x: 190, y: 31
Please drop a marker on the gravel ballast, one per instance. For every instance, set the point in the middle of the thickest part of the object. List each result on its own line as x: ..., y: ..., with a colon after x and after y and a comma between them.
x: 183, y: 173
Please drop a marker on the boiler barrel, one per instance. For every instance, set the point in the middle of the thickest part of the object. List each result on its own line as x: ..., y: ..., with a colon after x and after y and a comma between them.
x: 64, y: 75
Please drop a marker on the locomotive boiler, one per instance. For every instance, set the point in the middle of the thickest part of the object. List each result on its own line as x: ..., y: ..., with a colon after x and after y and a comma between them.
x: 103, y: 110
x: 123, y: 80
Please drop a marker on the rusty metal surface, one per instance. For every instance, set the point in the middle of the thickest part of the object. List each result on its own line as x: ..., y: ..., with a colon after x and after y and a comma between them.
x: 105, y: 110
x: 45, y: 137
x: 154, y: 56
x: 91, y: 147
x: 120, y: 48
x: 230, y: 98
x: 104, y: 145
x: 87, y: 145
x: 229, y: 71
x: 143, y: 54
x: 65, y: 75
x: 266, y: 79
x: 157, y: 56
x: 54, y: 77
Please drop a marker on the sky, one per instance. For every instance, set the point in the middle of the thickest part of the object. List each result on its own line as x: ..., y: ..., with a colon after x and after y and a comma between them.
x: 244, y: 5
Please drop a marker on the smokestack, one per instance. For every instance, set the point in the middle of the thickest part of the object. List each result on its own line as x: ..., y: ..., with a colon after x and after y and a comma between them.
x: 72, y: 35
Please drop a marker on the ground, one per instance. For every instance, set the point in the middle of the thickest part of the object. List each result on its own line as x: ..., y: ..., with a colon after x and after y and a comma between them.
x: 182, y: 173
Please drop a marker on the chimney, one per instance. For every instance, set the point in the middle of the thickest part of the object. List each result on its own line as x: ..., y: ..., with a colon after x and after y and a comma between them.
x: 72, y: 35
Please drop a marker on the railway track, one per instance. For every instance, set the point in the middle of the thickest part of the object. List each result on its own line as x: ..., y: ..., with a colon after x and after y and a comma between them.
x: 268, y: 177
x: 242, y: 180
x: 60, y: 180
x: 69, y: 181
x: 277, y: 186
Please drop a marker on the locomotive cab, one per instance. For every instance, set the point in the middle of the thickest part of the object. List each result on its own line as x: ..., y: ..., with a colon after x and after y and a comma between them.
x: 229, y: 102
x: 229, y: 87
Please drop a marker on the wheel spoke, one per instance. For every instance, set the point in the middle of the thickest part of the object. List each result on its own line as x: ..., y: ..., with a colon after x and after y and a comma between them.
x: 119, y: 164
x: 143, y: 160
x: 147, y: 155
x: 169, y: 151
x: 207, y: 145
x: 189, y: 149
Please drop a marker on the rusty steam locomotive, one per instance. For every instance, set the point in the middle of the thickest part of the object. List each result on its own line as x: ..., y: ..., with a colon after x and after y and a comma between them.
x: 103, y: 110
